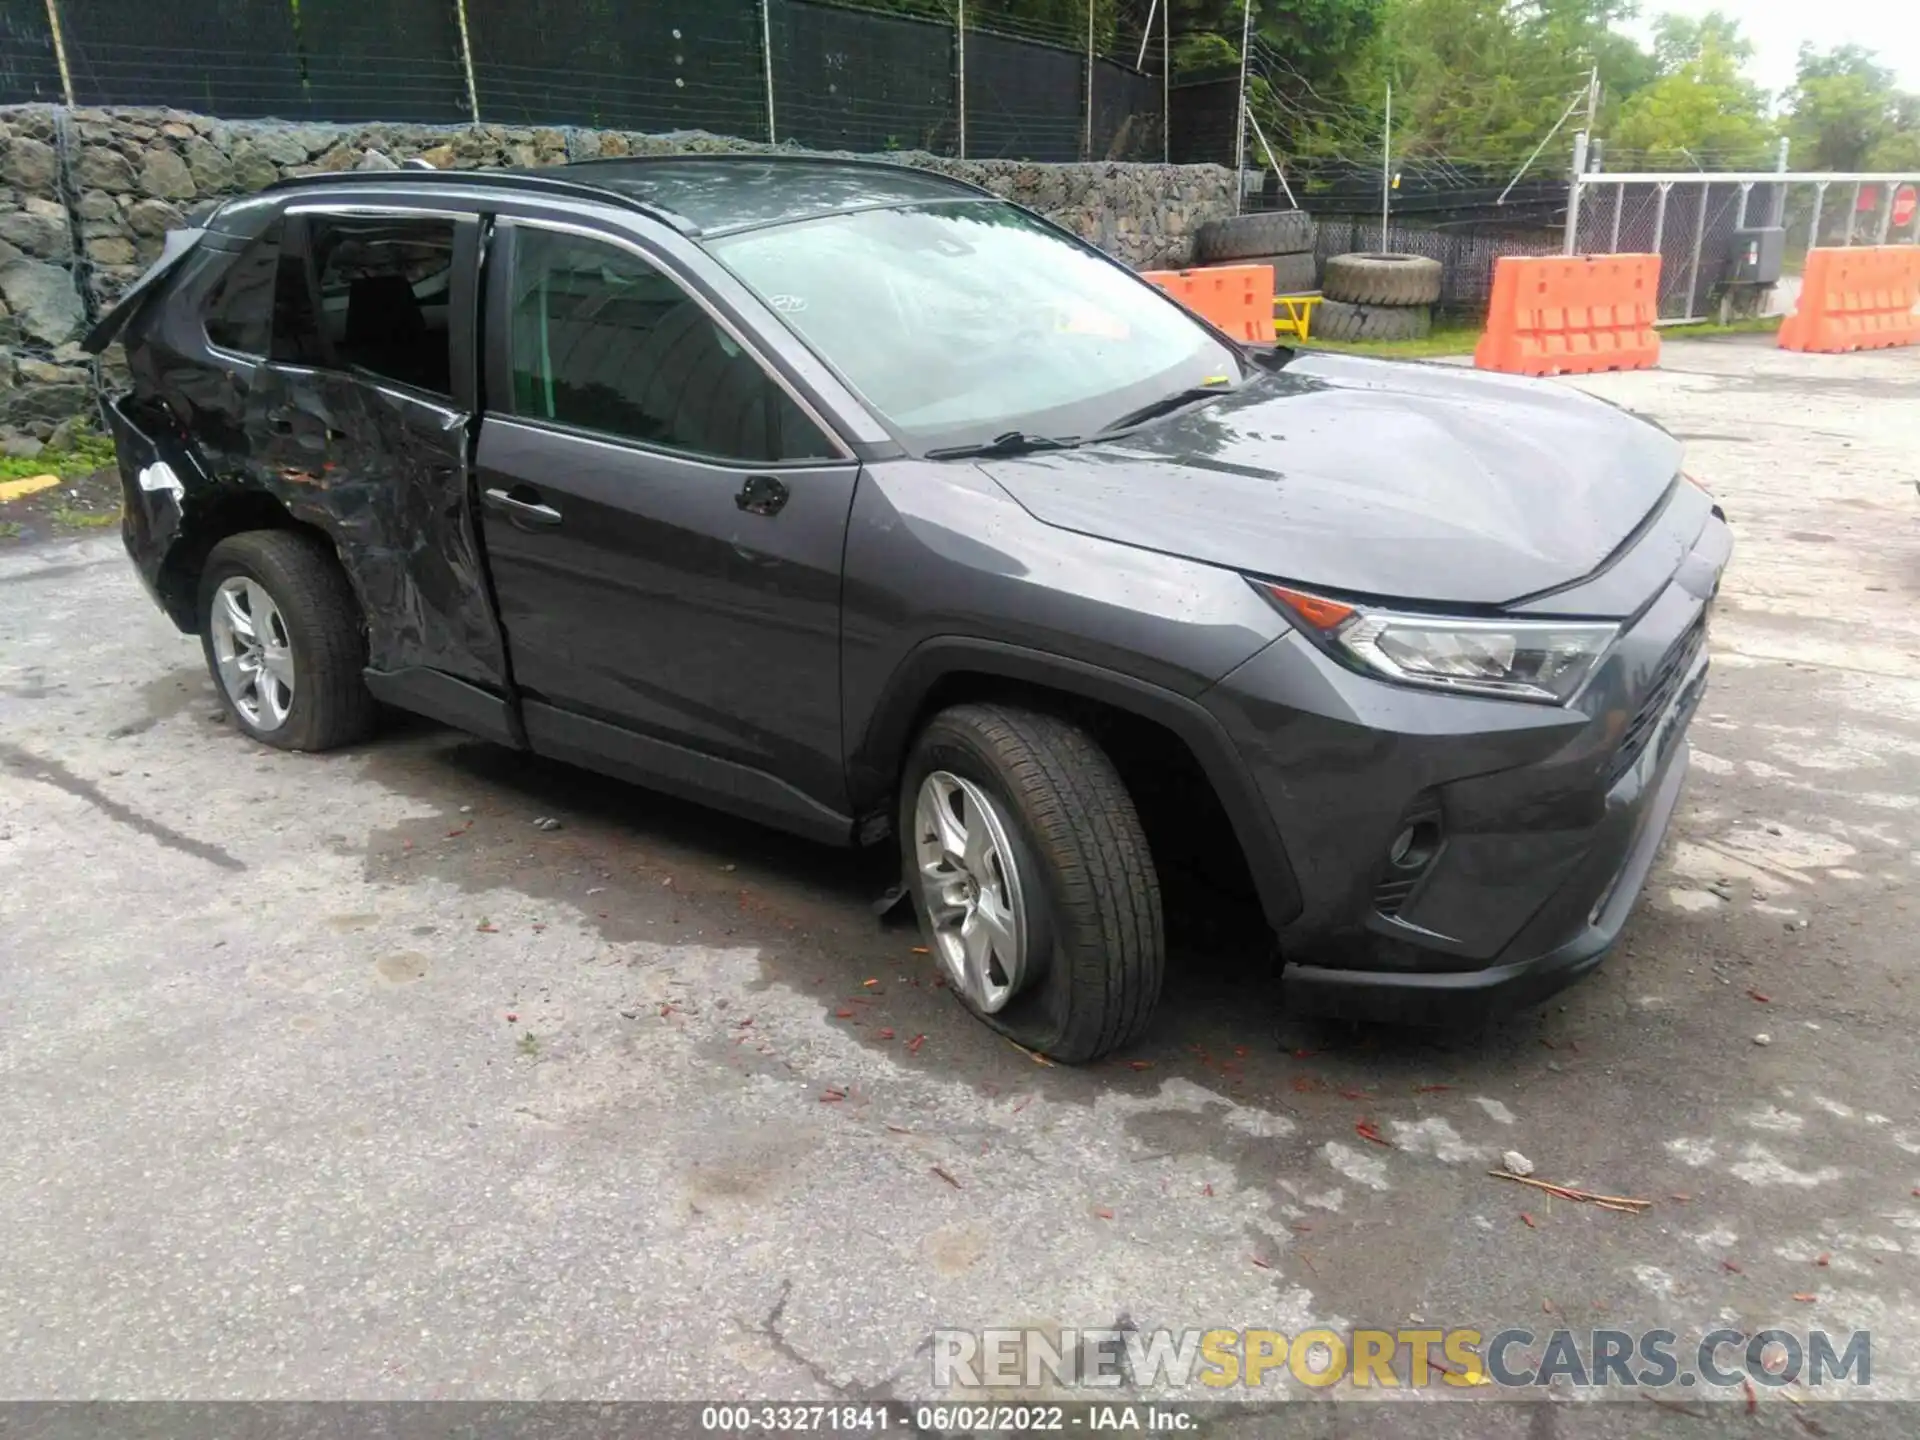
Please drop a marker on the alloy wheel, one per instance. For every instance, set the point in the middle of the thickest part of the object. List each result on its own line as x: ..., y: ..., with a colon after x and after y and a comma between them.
x: 971, y: 884
x: 253, y: 652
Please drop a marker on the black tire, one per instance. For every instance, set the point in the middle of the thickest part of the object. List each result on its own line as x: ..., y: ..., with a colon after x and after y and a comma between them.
x: 1247, y: 237
x: 1292, y: 274
x: 1337, y: 320
x: 1369, y: 278
x: 331, y: 705
x: 1096, y: 950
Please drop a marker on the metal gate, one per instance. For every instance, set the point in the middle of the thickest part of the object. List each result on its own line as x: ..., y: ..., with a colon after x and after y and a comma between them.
x: 1701, y: 224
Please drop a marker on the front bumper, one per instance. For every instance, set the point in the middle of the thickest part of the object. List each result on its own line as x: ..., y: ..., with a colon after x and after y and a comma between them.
x: 1549, y: 818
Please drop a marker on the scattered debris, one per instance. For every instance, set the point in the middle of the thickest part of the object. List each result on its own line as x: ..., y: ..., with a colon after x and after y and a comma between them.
x: 921, y: 950
x: 1430, y: 1089
x: 832, y: 1096
x: 1529, y: 1219
x: 899, y: 1129
x: 1140, y: 1064
x: 1805, y: 1297
x: 1625, y: 1203
x: 1732, y: 1266
x: 466, y: 809
x: 1763, y: 1039
x: 1725, y: 892
x: 886, y: 1034
x: 913, y: 1045
x: 944, y: 1176
x: 868, y: 984
x: 512, y: 1017
x: 1758, y: 998
x: 1263, y: 1264
x: 1823, y: 1260
x: 1516, y: 1164
x: 487, y: 927
x: 1032, y: 1055
x: 1366, y: 1130
x: 1102, y: 1213
x: 546, y: 822
x: 843, y: 1014
x: 1207, y: 1190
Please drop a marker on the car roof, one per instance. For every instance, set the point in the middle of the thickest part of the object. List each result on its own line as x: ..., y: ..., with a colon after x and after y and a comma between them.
x: 700, y: 195
x: 718, y: 193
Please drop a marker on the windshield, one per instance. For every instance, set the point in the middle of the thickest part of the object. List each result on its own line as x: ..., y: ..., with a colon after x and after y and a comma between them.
x: 961, y: 321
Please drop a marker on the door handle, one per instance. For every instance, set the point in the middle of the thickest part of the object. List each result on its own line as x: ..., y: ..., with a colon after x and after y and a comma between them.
x: 529, y: 512
x: 762, y: 495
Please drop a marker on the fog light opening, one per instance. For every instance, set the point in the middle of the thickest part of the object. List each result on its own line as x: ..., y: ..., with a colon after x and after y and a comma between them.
x: 1413, y: 847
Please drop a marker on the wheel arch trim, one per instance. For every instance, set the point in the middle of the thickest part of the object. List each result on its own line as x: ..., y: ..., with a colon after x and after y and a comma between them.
x: 876, y: 760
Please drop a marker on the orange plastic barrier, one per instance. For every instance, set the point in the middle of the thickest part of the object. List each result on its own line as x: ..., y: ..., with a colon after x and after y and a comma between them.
x: 1856, y: 299
x: 1569, y: 315
x: 1237, y: 298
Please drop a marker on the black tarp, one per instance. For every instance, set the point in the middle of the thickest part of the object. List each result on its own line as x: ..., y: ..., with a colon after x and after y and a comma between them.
x: 1126, y: 113
x: 28, y: 71
x: 319, y: 60
x: 851, y: 80
x: 386, y: 60
x: 237, y: 58
x: 1023, y: 99
x: 617, y: 64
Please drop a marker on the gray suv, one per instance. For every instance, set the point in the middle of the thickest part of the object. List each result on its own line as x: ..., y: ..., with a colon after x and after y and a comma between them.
x: 857, y: 501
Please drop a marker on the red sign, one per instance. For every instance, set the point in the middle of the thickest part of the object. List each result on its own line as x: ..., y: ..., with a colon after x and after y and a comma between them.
x: 1905, y: 201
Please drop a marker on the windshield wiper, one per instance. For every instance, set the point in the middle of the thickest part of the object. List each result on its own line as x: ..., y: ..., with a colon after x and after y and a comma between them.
x: 1013, y: 442
x: 1166, y: 405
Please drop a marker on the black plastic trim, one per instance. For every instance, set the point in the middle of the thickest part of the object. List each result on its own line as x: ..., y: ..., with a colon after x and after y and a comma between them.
x: 662, y: 765
x: 455, y: 702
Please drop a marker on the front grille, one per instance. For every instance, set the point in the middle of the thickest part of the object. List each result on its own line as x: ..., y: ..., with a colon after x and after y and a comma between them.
x: 1666, y: 682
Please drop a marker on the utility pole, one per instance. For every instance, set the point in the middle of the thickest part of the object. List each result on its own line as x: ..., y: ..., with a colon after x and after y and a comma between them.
x: 466, y: 62
x: 1166, y: 81
x: 1386, y: 167
x: 1087, y: 150
x: 1576, y: 183
x: 766, y: 52
x: 60, y: 48
x: 960, y: 46
x: 1240, y: 115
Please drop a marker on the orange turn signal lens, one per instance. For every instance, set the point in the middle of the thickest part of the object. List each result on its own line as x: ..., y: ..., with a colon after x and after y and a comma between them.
x: 1316, y: 610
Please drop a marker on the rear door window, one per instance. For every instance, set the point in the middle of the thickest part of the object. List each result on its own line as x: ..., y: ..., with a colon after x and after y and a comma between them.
x: 383, y: 291
x: 603, y: 341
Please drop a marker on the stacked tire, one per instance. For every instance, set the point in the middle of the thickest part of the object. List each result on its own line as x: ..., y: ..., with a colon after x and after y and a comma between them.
x: 1375, y: 295
x: 1280, y: 238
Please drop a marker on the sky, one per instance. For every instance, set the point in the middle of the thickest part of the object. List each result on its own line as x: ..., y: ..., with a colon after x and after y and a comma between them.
x: 1777, y: 28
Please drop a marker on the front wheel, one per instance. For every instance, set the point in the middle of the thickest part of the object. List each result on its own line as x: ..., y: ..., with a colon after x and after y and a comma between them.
x: 282, y: 637
x: 1032, y: 879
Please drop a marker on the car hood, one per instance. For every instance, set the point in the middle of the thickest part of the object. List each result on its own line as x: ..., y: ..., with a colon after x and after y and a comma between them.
x: 1383, y: 478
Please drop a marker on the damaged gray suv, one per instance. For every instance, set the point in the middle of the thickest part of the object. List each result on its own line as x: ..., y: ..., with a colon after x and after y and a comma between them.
x: 857, y: 501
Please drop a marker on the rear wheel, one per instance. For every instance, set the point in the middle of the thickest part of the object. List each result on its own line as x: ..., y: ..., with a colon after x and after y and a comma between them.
x: 1032, y: 880
x: 282, y: 636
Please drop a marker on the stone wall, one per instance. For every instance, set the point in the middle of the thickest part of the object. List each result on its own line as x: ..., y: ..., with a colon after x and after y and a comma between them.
x: 86, y: 197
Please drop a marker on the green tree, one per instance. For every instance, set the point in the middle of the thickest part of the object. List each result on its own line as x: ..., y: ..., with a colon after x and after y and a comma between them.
x: 1702, y: 112
x: 1845, y: 112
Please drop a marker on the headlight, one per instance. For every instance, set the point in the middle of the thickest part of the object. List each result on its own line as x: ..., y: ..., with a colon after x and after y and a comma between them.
x: 1542, y: 660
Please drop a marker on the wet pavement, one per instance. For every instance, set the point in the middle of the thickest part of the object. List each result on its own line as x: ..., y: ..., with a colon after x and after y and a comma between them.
x: 331, y: 1076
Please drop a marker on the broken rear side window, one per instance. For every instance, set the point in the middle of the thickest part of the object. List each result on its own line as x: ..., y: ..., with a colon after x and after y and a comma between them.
x: 383, y: 291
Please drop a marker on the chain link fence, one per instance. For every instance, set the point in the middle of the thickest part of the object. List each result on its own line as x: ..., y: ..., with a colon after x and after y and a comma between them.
x: 1706, y: 226
x: 826, y: 74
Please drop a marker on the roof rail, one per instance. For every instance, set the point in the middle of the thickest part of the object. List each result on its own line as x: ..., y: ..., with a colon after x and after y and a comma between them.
x: 540, y: 182
x: 788, y: 157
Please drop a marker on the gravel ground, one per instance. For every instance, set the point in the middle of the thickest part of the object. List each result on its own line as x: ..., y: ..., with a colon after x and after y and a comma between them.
x: 337, y: 1077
